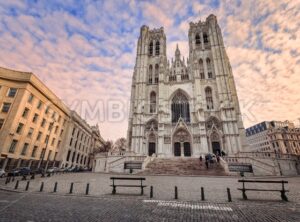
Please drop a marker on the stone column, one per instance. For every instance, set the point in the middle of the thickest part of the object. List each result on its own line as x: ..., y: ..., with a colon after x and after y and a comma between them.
x: 5, y: 163
x: 181, y: 149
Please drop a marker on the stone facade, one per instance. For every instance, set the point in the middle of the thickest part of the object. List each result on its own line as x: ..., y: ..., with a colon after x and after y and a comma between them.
x: 34, y: 123
x: 184, y: 107
x: 274, y: 136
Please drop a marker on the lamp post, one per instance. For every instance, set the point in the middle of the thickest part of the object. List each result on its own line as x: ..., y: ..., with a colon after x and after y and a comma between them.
x: 47, y: 142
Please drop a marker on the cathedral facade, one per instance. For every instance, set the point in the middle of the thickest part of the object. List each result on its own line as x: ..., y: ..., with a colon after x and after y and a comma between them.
x: 184, y: 107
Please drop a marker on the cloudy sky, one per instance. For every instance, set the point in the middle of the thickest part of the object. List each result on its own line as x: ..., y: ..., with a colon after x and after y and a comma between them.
x: 84, y: 51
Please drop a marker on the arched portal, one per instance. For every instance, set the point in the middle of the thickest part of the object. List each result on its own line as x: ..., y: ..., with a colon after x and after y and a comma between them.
x: 215, y: 143
x: 151, y: 144
x: 182, y: 143
x: 151, y: 134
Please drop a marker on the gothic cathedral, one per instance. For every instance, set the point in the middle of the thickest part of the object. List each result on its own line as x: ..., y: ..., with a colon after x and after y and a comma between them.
x: 184, y: 108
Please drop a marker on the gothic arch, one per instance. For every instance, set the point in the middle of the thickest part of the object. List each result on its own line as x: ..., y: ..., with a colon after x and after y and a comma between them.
x: 180, y: 107
x: 151, y: 136
x: 182, y: 141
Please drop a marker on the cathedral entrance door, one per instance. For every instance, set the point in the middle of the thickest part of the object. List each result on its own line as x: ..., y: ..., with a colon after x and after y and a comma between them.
x: 187, y: 149
x: 151, y: 149
x: 177, y: 151
x: 216, y: 148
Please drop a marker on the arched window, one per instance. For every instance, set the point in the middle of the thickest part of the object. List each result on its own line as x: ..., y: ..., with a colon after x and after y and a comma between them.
x: 157, y: 48
x: 198, y: 40
x: 152, y: 102
x: 180, y: 108
x: 205, y: 38
x: 150, y: 72
x: 156, y: 73
x: 209, y: 98
x: 201, y: 69
x: 151, y: 48
x: 209, y: 70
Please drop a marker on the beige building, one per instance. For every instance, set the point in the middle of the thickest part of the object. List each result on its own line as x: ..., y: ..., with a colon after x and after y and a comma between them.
x: 274, y: 136
x: 81, y: 140
x: 34, y: 123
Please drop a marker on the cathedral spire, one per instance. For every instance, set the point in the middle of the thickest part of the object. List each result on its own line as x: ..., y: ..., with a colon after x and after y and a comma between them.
x: 177, y: 52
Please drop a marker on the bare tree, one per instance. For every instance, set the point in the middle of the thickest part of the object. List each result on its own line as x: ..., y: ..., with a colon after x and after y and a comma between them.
x: 106, y: 147
x: 120, y: 144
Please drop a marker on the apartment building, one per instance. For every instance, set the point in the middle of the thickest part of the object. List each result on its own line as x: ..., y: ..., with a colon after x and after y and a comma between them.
x: 34, y: 124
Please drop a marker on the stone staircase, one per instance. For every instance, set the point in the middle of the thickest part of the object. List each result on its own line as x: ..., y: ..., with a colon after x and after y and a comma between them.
x: 182, y: 166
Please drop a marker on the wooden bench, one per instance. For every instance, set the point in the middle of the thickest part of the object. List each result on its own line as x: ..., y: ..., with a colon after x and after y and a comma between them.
x: 141, y: 179
x: 282, y: 190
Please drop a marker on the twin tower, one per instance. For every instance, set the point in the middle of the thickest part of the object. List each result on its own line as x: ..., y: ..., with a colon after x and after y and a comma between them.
x: 184, y: 107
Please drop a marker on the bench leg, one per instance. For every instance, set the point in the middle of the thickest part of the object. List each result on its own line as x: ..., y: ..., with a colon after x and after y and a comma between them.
x: 244, y: 195
x: 142, y: 190
x: 283, y: 196
x: 114, y: 190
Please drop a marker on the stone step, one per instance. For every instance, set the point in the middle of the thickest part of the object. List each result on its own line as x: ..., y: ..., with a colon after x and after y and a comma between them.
x: 182, y: 166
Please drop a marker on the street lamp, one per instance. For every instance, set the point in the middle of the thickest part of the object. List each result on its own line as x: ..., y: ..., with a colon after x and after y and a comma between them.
x: 47, y: 142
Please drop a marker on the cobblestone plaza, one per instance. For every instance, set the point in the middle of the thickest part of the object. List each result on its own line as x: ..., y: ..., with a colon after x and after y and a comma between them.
x: 127, y: 205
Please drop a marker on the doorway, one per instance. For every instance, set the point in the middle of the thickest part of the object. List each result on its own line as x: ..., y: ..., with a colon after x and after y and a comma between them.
x: 216, y: 148
x: 151, y: 149
x: 177, y: 151
x: 187, y: 149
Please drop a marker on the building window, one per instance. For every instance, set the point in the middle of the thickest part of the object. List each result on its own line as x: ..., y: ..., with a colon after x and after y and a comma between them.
x: 68, y: 155
x: 24, y: 150
x: 201, y: 69
x: 71, y: 141
x: 151, y: 48
x: 180, y: 108
x: 156, y: 74
x: 205, y: 38
x: 43, y: 123
x: 47, y: 110
x: 150, y: 72
x: 50, y: 127
x: 53, y: 141
x: 39, y: 136
x: 33, y: 154
x: 25, y: 112
x: 39, y: 106
x: 6, y: 107
x: 19, y: 128
x: 198, y: 39
x: 210, y: 75
x: 30, y: 132
x: 43, y: 153
x: 157, y: 48
x: 1, y: 123
x: 58, y: 144
x: 209, y: 98
x: 30, y: 98
x: 47, y: 139
x: 13, y: 146
x: 35, y: 118
x: 152, y: 102
x: 56, y: 129
x: 12, y: 92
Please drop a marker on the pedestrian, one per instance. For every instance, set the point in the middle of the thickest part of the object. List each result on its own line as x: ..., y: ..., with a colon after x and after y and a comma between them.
x: 218, y: 158
x: 200, y: 158
x: 206, y: 164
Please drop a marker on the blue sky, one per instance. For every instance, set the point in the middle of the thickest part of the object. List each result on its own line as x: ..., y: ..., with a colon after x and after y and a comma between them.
x: 85, y: 50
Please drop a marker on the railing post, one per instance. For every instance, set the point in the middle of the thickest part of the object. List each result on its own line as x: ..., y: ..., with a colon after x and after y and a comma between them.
x: 176, y: 193
x: 27, y: 185
x: 244, y: 191
x: 283, y: 196
x: 71, y: 188
x: 202, y: 194
x: 42, y: 187
x: 151, y: 192
x: 17, y: 185
x: 87, y: 189
x: 55, y: 187
x: 229, y: 195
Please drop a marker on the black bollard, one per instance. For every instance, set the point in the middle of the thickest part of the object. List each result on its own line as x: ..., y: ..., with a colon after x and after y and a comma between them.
x: 42, y: 187
x: 55, y: 187
x: 71, y: 188
x: 229, y: 195
x: 87, y: 189
x: 32, y: 176
x: 176, y: 193
x: 17, y: 185
x: 202, y: 194
x: 27, y: 185
x: 151, y: 192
